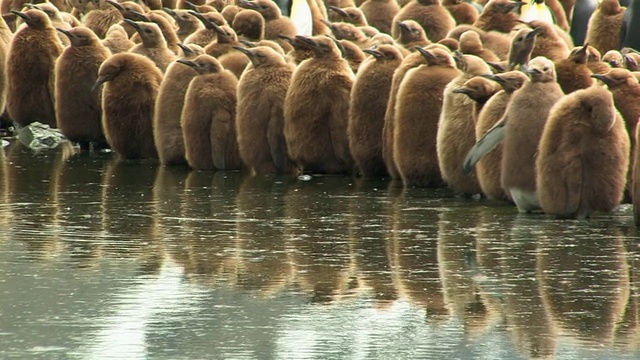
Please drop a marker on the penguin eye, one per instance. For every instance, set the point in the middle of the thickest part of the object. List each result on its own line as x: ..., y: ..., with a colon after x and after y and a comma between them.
x: 545, y: 69
x: 127, y: 9
x: 148, y: 31
x: 520, y: 38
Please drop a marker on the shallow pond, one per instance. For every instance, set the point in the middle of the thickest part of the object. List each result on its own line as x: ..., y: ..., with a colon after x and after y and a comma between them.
x: 127, y: 260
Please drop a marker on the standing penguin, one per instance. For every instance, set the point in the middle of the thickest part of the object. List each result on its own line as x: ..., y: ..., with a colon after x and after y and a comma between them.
x: 480, y: 90
x: 128, y: 100
x: 471, y: 44
x: 573, y: 73
x: 102, y: 17
x: 411, y: 35
x: 260, y: 112
x: 603, y: 32
x: 548, y: 43
x: 78, y: 108
x: 380, y: 13
x: 489, y: 167
x: 369, y: 98
x: 117, y: 40
x: 462, y: 11
x: 209, y: 117
x: 167, y: 132
x: 418, y: 108
x: 206, y: 35
x: 153, y: 46
x: 456, y: 128
x: 430, y: 14
x: 249, y: 25
x: 316, y: 110
x: 583, y: 159
x: 31, y: 70
x: 499, y: 15
x: 275, y: 24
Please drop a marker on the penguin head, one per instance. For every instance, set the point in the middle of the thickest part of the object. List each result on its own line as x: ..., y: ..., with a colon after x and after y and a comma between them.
x: 579, y: 55
x: 541, y: 69
x: 613, y: 58
x: 382, y: 39
x: 149, y: 33
x: 127, y: 8
x: 52, y: 12
x: 610, y: 7
x: 190, y: 51
x: 226, y: 35
x: 350, y: 14
x: 350, y: 51
x: 111, y: 68
x: 616, y: 77
x: 478, y: 89
x: 183, y: 18
x: 218, y: 4
x: 199, y: 8
x: 437, y: 56
x: 410, y: 31
x: 268, y: 43
x: 369, y: 31
x: 631, y: 59
x: 594, y: 105
x: 510, y: 80
x: 268, y: 8
x: 522, y: 45
x: 116, y: 31
x: 203, y: 64
x: 249, y: 23
x: 449, y: 43
x: 385, y: 52
x: 470, y: 42
x: 344, y: 31
x: 210, y: 19
x: 502, y: 7
x: 35, y: 19
x: 261, y: 56
x: 321, y: 46
x: 80, y: 36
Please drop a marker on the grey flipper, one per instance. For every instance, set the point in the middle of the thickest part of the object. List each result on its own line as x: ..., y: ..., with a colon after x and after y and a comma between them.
x: 488, y: 142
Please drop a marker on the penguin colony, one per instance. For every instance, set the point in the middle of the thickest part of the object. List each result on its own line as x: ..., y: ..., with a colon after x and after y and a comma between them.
x: 483, y: 97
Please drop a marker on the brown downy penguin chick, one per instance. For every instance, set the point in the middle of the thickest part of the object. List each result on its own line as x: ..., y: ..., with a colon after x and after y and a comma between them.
x: 268, y: 43
x: 449, y: 43
x: 380, y: 13
x: 249, y: 25
x: 218, y: 4
x: 605, y: 23
x: 521, y: 48
x: 594, y: 60
x: 548, y: 43
x: 456, y: 128
x: 229, y: 12
x: 167, y: 132
x: 433, y: 17
x: 346, y: 31
x: 187, y: 23
x: 260, y: 112
x: 129, y: 10
x: 117, y: 40
x: 480, y: 90
x: 573, y: 73
x: 351, y: 15
x: 31, y: 70
x: 462, y: 12
x: 300, y: 51
x: 227, y: 38
x: 316, y: 110
x: 499, y: 15
x: 100, y: 19
x: 78, y: 110
x: 153, y: 44
x: 418, y: 107
x: 471, y: 44
x: 495, y: 41
x: 412, y: 35
x: 350, y: 52
x: 198, y: 6
x: 525, y: 117
x: 275, y: 23
x: 368, y: 104
x: 626, y: 92
x: 208, y: 117
x: 56, y: 19
x: 614, y: 58
x: 128, y: 101
x: 369, y: 31
x: 583, y: 159
x: 167, y: 28
x: 489, y: 167
x: 208, y: 34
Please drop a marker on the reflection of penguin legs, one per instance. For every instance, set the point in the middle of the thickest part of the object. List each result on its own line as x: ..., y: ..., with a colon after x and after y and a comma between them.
x: 580, y: 21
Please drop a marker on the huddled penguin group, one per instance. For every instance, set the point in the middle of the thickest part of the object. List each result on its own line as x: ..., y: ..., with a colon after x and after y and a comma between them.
x: 485, y: 97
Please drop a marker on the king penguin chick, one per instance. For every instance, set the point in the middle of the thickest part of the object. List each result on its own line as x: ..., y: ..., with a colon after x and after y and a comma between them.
x: 153, y: 44
x: 412, y: 35
x: 352, y: 53
x: 117, y: 40
x: 167, y: 132
x: 433, y: 17
x: 300, y: 51
x: 456, y: 128
x: 605, y: 23
x: 614, y: 58
x: 227, y: 38
x: 249, y: 25
x: 275, y: 23
x: 56, y: 19
x: 583, y: 156
x: 316, y: 110
x: 521, y: 48
x: 100, y: 19
x: 499, y: 15
x: 369, y: 98
x: 573, y: 73
x: 380, y: 13
x: 78, y: 108
x: 489, y: 167
x: 418, y: 107
x: 548, y: 43
x: 128, y: 100
x: 31, y: 70
x: 351, y: 15
x: 167, y: 29
x: 462, y: 12
x: 209, y: 117
x: 480, y: 90
x: 594, y: 60
x: 471, y: 44
x: 260, y: 112
x: 187, y: 23
x: 525, y: 118
x: 346, y: 31
x: 208, y: 34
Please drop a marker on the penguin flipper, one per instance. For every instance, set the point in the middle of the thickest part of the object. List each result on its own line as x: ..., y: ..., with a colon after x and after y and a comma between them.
x: 488, y: 142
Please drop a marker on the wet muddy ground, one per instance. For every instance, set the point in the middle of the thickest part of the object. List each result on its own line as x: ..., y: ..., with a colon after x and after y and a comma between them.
x: 128, y: 260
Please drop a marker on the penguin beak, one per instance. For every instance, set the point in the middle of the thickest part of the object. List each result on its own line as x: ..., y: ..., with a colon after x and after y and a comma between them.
x: 218, y: 29
x: 403, y: 26
x: 465, y: 91
x: 326, y: 22
x: 497, y: 67
x: 513, y: 6
x: 629, y: 60
x: 248, y: 43
x: 602, y: 78
x: 247, y: 4
x: 207, y: 24
x: 533, y: 33
x: 170, y: 12
x: 427, y: 55
x: 140, y: 17
x: 534, y: 71
x: 190, y: 5
x: 188, y: 63
x: 185, y: 49
x: 308, y: 41
x: 375, y: 53
x: 100, y: 81
x: 132, y: 23
x: 116, y: 5
x: 339, y: 11
x: 67, y: 33
x: 244, y: 51
x: 493, y: 77
x: 22, y: 15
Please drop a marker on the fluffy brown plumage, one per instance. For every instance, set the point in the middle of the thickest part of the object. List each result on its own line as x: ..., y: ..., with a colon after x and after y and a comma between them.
x: 584, y: 156
x: 117, y: 40
x: 380, y: 13
x: 102, y: 18
x: 573, y: 73
x: 153, y: 44
x: 603, y: 31
x: 128, y: 101
x: 433, y: 17
x: 463, y: 12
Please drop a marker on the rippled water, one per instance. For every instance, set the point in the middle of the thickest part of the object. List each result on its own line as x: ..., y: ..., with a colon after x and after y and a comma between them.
x: 128, y: 260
